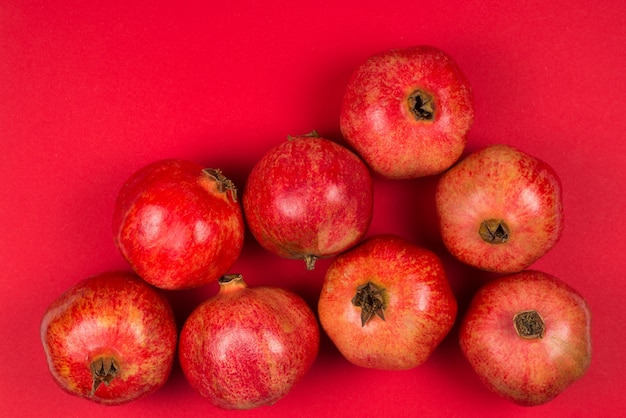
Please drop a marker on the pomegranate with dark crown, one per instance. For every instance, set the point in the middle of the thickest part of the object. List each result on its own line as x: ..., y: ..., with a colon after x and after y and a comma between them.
x: 110, y: 339
x: 528, y: 336
x: 387, y: 304
x: 407, y: 112
x: 500, y: 209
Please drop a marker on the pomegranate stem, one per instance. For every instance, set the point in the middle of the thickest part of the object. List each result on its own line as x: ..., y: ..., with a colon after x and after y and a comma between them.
x: 103, y: 370
x: 529, y: 324
x: 494, y: 231
x: 369, y: 298
x: 310, y: 260
x: 421, y: 105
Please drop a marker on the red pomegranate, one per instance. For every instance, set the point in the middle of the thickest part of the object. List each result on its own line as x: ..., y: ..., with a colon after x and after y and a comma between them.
x: 500, y: 209
x: 527, y: 336
x: 387, y: 304
x: 307, y: 198
x: 178, y: 225
x: 407, y: 111
x: 248, y: 346
x: 110, y: 339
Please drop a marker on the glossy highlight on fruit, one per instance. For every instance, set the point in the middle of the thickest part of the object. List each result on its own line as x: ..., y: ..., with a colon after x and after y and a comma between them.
x: 248, y: 346
x: 178, y: 225
x: 528, y: 336
x: 308, y: 198
x: 407, y: 111
x: 387, y: 304
x: 110, y: 339
x: 500, y: 209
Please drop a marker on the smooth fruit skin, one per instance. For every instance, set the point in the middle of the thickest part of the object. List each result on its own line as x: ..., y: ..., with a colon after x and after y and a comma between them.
x: 113, y: 315
x: 178, y: 225
x: 308, y: 198
x: 377, y: 119
x: 248, y: 346
x: 419, y: 310
x: 499, y: 182
x: 527, y: 371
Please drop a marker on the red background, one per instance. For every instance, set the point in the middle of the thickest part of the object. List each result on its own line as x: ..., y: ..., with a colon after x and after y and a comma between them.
x: 90, y: 93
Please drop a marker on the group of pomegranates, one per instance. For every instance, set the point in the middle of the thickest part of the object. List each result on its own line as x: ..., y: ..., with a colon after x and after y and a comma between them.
x: 385, y: 302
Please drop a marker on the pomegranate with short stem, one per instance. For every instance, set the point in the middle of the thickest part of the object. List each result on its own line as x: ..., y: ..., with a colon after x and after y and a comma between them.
x: 248, y: 346
x: 308, y: 198
x: 178, y: 225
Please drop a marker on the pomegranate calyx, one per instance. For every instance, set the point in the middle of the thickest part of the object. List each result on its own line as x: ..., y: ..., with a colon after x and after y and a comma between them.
x: 224, y: 184
x: 421, y: 105
x: 309, y: 261
x: 494, y: 231
x: 529, y: 324
x: 312, y: 134
x: 231, y: 281
x: 369, y: 298
x: 103, y: 370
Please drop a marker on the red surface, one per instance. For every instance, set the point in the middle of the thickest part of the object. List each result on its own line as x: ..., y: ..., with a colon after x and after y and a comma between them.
x: 90, y: 93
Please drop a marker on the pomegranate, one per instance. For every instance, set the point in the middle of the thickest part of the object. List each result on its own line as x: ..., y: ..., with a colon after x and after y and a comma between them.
x: 406, y: 112
x: 307, y: 198
x: 528, y: 336
x: 248, y: 346
x: 110, y: 339
x: 500, y: 209
x: 387, y: 303
x: 178, y: 225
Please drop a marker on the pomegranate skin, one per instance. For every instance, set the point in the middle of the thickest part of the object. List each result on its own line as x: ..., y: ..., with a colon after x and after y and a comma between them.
x: 500, y: 182
x: 380, y: 120
x: 527, y: 371
x: 247, y: 347
x: 114, y: 316
x: 418, y: 306
x: 178, y: 225
x: 308, y: 198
